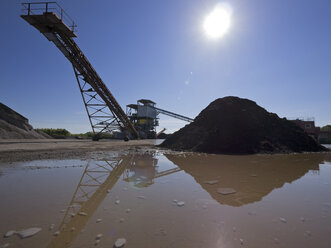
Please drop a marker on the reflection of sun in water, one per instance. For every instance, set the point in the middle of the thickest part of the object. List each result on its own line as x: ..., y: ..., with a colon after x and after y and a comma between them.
x: 217, y: 22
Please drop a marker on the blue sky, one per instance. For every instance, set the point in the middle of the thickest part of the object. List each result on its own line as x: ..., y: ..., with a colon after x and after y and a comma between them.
x: 277, y: 53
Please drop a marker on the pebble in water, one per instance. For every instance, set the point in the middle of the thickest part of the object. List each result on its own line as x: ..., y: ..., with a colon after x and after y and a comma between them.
x: 9, y: 233
x: 234, y: 229
x: 72, y: 215
x: 97, y: 242
x: 283, y: 220
x: 51, y: 227
x: 82, y: 213
x: 72, y: 229
x: 108, y: 190
x: 141, y: 197
x: 226, y: 191
x: 28, y: 232
x: 175, y: 201
x: 308, y: 233
x: 120, y: 243
x: 121, y: 220
x: 99, y: 236
x: 99, y: 220
x: 163, y: 232
x: 128, y: 210
x: 57, y: 233
x: 211, y: 182
x: 241, y: 241
x: 302, y: 219
x: 5, y: 245
x: 180, y: 203
x: 117, y: 202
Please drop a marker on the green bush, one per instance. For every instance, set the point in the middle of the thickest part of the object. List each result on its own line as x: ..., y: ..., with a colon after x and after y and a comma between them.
x: 324, y: 141
x: 55, y: 133
x: 326, y: 128
x: 61, y: 133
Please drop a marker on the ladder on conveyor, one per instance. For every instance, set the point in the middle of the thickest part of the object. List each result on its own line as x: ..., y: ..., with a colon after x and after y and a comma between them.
x: 104, y: 112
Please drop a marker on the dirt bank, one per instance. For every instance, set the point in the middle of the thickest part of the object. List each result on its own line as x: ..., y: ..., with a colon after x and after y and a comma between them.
x: 25, y: 150
x: 15, y: 126
x: 232, y: 125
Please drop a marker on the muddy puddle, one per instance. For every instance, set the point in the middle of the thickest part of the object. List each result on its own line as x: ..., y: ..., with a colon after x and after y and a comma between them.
x: 155, y: 199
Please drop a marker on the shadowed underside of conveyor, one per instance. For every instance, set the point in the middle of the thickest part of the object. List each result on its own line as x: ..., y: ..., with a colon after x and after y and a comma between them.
x: 104, y: 112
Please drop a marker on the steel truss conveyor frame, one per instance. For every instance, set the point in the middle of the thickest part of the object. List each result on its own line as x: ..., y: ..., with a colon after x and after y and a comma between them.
x: 104, y: 112
x: 174, y: 115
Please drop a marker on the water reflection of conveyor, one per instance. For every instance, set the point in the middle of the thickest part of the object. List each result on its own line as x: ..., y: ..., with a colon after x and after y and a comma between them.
x: 145, y: 170
x: 98, y: 178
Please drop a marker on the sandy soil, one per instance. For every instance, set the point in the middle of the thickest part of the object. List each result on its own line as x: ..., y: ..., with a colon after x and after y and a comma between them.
x: 24, y: 150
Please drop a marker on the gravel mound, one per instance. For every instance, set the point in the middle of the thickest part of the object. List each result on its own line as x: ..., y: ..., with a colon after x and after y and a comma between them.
x: 232, y: 125
x: 15, y: 126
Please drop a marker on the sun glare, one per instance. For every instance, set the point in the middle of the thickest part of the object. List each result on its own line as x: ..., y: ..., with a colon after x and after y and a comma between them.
x: 217, y: 23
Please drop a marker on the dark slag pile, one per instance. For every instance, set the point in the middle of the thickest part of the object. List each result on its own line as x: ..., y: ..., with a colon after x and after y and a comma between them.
x: 232, y: 125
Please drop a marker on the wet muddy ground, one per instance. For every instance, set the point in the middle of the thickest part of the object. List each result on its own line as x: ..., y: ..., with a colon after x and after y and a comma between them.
x: 156, y: 198
x: 36, y: 149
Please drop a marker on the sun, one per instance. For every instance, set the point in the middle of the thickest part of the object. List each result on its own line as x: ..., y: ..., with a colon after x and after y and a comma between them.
x: 218, y: 22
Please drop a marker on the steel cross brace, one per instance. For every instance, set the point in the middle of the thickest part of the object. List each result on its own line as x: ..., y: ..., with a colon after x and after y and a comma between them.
x: 101, y: 118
